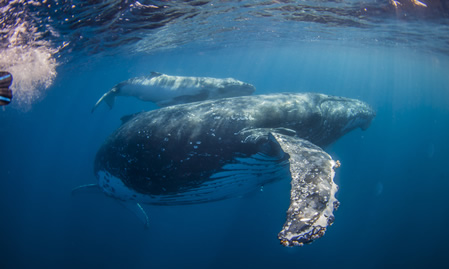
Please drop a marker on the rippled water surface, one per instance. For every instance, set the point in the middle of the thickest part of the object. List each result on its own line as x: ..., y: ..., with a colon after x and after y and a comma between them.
x: 37, y: 36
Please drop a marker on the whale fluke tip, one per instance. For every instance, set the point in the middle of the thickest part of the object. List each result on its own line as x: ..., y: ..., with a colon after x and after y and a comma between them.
x: 108, y: 97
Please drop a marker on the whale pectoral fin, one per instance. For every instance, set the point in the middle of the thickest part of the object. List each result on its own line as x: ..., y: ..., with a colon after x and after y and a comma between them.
x: 108, y: 97
x: 183, y: 99
x: 138, y: 210
x: 87, y: 188
x: 201, y: 95
x: 312, y: 196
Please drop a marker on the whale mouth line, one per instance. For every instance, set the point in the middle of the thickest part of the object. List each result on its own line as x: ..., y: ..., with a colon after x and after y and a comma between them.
x: 365, y: 126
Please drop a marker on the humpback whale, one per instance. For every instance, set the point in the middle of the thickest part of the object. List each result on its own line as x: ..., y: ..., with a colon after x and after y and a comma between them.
x: 216, y: 149
x: 165, y: 90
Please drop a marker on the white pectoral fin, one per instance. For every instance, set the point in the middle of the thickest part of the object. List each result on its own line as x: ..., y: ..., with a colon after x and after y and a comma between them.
x: 312, y: 196
x: 138, y: 210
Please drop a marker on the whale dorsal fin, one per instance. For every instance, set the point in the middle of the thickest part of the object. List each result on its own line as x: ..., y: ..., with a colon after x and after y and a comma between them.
x: 126, y: 118
x: 155, y: 74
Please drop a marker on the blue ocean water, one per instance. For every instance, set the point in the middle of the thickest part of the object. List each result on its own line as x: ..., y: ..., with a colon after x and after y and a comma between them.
x: 393, y: 179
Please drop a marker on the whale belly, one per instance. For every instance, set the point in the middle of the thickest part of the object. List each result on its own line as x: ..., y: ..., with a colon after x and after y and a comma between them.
x: 157, y: 93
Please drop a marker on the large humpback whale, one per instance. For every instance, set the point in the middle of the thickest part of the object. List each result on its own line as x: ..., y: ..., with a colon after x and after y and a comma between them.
x: 165, y: 90
x: 215, y: 149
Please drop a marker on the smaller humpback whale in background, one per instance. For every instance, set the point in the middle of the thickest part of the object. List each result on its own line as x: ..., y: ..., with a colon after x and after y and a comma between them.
x: 165, y: 90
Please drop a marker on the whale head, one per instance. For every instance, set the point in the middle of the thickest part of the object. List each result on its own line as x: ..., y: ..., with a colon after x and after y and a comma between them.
x: 342, y: 115
x: 349, y: 113
x: 232, y: 87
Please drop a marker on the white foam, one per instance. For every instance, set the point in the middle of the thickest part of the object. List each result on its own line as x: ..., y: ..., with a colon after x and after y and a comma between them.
x: 33, y: 70
x: 30, y: 62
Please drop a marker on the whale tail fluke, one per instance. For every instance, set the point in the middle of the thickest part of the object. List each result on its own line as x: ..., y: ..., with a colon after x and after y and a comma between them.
x: 87, y: 188
x: 135, y: 208
x: 108, y: 97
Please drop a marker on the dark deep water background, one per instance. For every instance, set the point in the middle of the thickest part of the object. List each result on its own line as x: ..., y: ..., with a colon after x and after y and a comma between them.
x: 393, y: 180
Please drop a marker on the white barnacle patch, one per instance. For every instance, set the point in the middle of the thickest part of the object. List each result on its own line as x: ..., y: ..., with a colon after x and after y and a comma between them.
x: 246, y: 116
